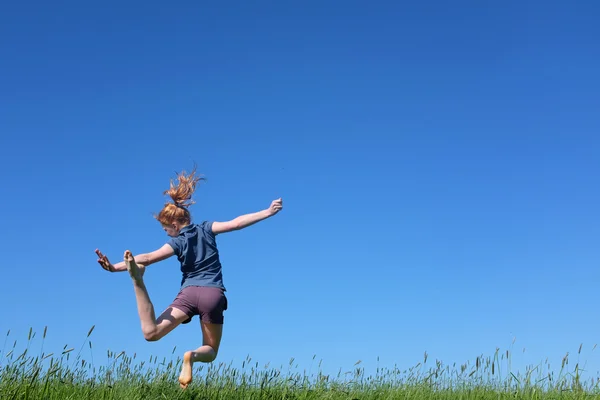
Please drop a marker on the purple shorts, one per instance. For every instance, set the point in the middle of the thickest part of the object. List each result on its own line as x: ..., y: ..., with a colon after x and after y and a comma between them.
x: 207, y: 302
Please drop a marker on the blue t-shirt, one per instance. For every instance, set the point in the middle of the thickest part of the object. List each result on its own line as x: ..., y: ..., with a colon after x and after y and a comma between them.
x: 196, y: 250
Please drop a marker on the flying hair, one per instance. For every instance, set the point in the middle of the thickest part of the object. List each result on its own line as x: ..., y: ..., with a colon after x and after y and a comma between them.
x: 181, y: 194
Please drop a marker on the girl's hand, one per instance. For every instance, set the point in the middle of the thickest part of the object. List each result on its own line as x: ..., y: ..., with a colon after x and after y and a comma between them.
x: 276, y: 206
x: 104, y: 263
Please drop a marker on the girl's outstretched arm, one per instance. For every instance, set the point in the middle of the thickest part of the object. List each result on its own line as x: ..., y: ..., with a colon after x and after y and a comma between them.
x: 246, y: 220
x: 143, y: 260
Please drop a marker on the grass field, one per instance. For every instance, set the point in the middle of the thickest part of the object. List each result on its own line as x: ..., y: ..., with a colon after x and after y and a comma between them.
x: 67, y: 375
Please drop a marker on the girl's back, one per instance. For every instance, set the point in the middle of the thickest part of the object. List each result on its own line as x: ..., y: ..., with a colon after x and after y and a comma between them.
x: 196, y: 249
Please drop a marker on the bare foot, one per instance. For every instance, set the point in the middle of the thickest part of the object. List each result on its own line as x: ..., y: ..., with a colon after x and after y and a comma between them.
x: 135, y: 271
x: 185, y: 378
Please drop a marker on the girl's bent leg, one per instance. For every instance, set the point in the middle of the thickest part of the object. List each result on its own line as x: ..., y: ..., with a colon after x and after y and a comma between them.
x: 211, y: 340
x: 152, y: 328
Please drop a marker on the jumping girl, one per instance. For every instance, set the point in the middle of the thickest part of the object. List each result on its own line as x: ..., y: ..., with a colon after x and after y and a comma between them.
x: 202, y: 291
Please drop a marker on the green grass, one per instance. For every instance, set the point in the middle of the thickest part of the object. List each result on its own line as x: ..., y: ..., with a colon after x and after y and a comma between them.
x: 65, y: 374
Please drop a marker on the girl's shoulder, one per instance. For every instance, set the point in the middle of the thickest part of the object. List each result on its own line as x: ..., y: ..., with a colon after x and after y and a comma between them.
x: 205, y: 227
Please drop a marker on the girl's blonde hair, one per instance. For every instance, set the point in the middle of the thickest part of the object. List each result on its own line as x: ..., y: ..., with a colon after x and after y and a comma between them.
x: 181, y: 194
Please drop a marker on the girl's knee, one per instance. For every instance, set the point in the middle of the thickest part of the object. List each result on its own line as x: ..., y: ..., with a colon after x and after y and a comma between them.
x: 151, y: 334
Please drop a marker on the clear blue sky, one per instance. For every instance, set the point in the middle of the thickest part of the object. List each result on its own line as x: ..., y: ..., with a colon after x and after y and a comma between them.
x: 438, y: 164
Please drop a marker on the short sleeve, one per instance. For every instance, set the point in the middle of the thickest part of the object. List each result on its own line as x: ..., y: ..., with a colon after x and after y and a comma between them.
x: 207, y: 227
x: 175, y: 243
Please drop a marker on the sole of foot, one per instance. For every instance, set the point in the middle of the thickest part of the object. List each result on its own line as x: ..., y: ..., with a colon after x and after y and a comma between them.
x: 135, y: 271
x: 185, y: 378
